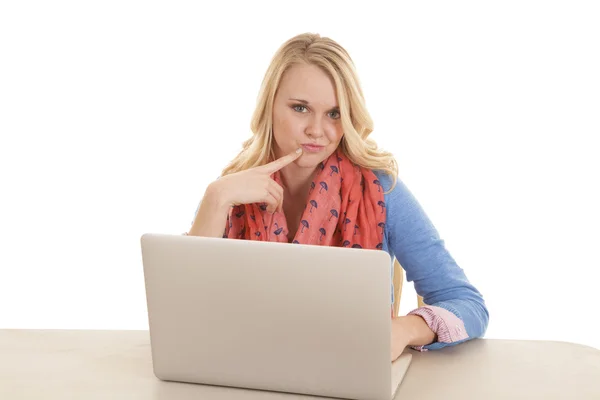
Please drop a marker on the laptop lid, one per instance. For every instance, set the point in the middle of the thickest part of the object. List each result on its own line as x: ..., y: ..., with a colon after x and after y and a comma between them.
x: 270, y: 316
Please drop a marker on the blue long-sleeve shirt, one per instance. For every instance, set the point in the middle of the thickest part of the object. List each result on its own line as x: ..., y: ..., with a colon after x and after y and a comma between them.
x: 411, y: 237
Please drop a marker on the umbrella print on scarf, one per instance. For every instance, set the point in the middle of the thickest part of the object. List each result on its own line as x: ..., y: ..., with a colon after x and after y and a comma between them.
x: 334, y: 170
x: 381, y: 204
x: 356, y: 246
x: 240, y: 214
x: 304, y: 225
x: 278, y: 229
x: 378, y: 185
x: 355, y: 229
x: 382, y: 226
x: 346, y: 222
x: 379, y: 246
x: 323, y: 186
x: 313, y: 204
x: 334, y: 213
x: 323, y: 233
x: 346, y: 243
x: 312, y: 187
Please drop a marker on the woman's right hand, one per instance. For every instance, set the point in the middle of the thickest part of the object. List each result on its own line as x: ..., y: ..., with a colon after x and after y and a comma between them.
x: 253, y: 185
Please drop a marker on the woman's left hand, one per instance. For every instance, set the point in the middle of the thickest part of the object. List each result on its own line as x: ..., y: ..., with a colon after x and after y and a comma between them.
x: 410, y: 330
x: 400, y: 337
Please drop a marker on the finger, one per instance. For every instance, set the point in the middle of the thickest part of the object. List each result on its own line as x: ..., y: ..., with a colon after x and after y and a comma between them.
x: 276, y: 165
x: 276, y: 188
x: 277, y: 192
x: 271, y: 201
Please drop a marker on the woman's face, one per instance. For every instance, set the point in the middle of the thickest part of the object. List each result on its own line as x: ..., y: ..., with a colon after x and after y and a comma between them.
x: 306, y: 114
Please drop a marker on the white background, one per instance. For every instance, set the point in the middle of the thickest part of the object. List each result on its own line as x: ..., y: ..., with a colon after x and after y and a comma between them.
x: 115, y: 115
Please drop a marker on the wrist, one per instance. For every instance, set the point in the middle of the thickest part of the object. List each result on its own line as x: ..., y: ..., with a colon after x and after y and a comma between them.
x: 417, y: 330
x: 211, y: 216
x: 216, y: 198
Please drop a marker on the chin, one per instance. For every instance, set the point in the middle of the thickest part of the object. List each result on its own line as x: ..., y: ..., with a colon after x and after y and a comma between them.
x: 311, y: 160
x: 308, y: 162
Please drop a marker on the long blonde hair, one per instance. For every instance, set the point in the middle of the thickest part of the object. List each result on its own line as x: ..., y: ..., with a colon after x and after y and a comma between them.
x: 356, y: 122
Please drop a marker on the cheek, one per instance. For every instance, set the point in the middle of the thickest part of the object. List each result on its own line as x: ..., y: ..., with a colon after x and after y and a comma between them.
x: 286, y: 126
x: 280, y: 127
x: 334, y: 134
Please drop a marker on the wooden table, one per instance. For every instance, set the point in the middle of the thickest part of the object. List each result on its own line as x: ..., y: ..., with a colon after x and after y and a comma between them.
x: 54, y: 364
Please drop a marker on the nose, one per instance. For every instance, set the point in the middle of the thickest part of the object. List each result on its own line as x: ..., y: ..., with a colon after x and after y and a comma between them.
x: 315, y: 128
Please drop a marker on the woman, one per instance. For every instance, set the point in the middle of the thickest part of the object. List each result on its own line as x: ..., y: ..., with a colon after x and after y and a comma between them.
x: 310, y: 175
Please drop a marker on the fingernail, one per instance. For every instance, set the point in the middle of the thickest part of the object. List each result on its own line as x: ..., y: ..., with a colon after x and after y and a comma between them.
x: 299, y: 150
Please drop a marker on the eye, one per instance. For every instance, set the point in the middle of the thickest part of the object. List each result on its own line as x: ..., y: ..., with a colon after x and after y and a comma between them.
x: 297, y: 106
x: 336, y: 114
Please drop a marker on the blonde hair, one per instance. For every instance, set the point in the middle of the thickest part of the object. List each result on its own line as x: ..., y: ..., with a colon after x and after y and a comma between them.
x: 357, y: 124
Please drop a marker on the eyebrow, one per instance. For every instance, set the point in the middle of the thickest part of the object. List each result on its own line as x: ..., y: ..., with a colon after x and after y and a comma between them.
x: 337, y: 108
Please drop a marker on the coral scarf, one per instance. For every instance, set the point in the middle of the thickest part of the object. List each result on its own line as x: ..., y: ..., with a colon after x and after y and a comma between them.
x: 345, y: 208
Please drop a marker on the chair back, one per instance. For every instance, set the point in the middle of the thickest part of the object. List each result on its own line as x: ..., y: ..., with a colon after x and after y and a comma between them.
x: 398, y: 281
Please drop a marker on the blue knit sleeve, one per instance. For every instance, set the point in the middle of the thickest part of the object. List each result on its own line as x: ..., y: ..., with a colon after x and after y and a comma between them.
x: 414, y: 241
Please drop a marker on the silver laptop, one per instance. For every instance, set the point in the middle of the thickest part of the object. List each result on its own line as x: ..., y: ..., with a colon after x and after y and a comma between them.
x: 279, y: 317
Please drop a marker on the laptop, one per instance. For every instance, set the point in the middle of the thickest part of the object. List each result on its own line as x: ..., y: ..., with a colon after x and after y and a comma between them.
x: 291, y: 318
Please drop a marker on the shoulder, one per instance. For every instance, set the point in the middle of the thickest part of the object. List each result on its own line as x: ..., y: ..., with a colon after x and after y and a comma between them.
x: 384, y: 178
x: 395, y: 190
x: 403, y: 209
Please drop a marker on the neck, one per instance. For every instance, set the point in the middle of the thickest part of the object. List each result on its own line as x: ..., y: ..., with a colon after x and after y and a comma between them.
x: 297, y: 181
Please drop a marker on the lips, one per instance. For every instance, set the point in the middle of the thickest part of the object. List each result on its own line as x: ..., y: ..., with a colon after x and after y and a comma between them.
x: 312, y: 148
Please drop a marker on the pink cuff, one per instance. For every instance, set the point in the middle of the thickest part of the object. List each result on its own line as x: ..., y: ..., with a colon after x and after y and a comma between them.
x: 447, y: 326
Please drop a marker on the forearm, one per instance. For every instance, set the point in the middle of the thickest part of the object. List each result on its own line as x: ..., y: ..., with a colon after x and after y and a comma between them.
x: 417, y: 330
x: 211, y: 217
